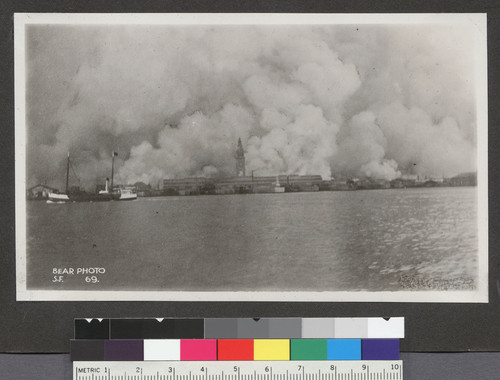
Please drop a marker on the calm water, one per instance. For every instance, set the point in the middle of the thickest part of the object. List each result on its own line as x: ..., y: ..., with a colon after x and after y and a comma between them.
x: 373, y: 240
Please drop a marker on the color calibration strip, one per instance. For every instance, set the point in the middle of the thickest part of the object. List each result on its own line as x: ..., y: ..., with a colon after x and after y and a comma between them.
x: 234, y: 349
x: 240, y: 328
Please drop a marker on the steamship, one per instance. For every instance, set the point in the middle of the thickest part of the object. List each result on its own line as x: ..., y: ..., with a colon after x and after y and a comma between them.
x: 277, y: 187
x: 119, y: 194
x: 79, y: 196
x: 108, y: 194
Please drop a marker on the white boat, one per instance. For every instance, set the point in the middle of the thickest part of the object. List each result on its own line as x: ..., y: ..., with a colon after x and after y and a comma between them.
x: 58, y: 198
x: 119, y: 193
x: 127, y: 194
x: 277, y: 187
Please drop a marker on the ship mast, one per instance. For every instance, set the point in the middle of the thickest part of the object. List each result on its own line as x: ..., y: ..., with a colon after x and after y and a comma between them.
x: 67, y: 175
x: 112, y: 169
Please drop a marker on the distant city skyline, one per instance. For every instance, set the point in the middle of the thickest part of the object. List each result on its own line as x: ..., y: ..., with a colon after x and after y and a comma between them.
x: 366, y: 100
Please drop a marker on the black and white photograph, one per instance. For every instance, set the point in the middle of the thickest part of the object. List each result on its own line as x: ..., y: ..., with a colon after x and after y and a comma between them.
x: 251, y: 157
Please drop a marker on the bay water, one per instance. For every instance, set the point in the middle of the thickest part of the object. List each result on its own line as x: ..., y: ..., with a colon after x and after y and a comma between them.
x: 375, y: 240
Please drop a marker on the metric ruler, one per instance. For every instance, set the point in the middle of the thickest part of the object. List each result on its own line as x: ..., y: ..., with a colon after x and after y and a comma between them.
x: 239, y: 370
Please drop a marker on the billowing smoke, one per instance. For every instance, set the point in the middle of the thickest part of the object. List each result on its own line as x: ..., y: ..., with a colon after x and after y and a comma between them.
x: 366, y: 101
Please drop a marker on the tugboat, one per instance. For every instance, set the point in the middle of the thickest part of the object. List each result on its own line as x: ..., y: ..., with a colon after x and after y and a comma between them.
x: 120, y: 193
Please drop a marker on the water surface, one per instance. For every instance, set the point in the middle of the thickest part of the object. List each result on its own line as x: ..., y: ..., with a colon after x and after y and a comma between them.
x: 355, y: 240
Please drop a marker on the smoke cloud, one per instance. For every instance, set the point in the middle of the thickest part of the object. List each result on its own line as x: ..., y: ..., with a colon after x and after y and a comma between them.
x: 365, y: 101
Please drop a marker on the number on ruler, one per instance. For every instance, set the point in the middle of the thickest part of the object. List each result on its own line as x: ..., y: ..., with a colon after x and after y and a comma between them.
x: 370, y: 370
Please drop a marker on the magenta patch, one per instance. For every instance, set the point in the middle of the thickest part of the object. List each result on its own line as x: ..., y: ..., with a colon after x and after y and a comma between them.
x: 198, y: 349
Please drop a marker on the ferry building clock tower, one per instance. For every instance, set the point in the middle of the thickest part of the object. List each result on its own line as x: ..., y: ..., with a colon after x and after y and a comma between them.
x: 240, y: 160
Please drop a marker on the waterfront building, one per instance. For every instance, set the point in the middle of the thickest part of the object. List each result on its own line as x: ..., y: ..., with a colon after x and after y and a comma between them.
x: 241, y: 185
x: 463, y: 179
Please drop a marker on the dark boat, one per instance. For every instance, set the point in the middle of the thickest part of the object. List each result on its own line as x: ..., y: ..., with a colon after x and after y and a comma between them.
x: 80, y: 195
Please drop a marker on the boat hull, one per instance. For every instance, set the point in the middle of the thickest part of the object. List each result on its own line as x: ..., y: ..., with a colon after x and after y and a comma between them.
x: 127, y: 195
x: 58, y: 198
x: 80, y: 197
x: 50, y: 202
x: 86, y: 197
x: 128, y: 198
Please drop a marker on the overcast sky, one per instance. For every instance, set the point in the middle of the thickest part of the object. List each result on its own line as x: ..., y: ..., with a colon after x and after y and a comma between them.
x: 360, y: 100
